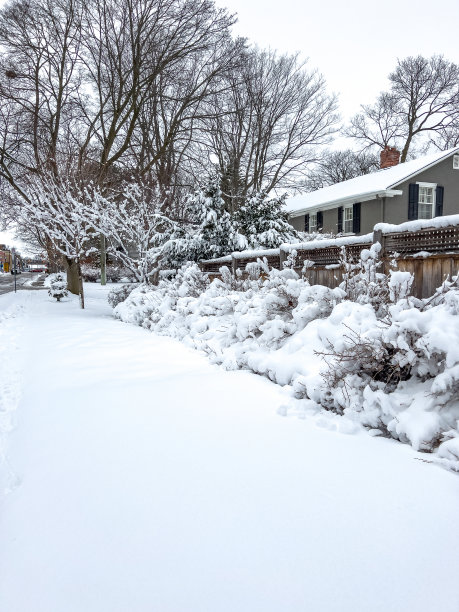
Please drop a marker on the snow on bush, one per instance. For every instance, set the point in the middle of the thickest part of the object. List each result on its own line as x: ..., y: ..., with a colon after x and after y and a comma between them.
x: 57, y: 285
x: 384, y: 359
x: 119, y: 294
x: 90, y: 273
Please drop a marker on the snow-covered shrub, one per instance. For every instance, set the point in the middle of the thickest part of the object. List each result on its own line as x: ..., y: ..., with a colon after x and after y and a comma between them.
x: 146, y: 305
x: 115, y: 273
x: 57, y: 285
x: 90, y: 273
x: 401, y: 375
x: 119, y: 294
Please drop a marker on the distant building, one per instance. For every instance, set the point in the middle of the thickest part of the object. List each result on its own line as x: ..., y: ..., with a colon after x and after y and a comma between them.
x: 5, y: 258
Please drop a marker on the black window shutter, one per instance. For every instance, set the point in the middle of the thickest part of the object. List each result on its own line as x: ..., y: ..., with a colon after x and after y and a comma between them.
x: 413, y: 200
x: 356, y: 218
x: 320, y: 220
x: 306, y: 223
x: 340, y: 219
x: 439, y: 201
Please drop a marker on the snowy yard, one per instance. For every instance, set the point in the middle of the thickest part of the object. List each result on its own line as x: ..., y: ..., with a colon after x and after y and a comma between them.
x: 136, y: 476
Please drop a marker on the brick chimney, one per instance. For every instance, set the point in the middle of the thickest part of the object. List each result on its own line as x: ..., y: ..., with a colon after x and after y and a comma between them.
x: 389, y: 157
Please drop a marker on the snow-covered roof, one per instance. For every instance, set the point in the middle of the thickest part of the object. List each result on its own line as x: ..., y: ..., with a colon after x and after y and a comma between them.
x: 366, y: 187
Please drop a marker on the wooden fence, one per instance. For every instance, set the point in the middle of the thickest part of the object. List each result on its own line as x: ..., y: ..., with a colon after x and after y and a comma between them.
x: 431, y: 254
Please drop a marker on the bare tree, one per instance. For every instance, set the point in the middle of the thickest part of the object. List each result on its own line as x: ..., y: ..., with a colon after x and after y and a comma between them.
x: 264, y: 131
x: 337, y: 166
x: 39, y: 81
x: 79, y: 78
x: 447, y: 137
x: 423, y: 99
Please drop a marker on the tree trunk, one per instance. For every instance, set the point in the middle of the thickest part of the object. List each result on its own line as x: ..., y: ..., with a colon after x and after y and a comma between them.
x: 103, y: 261
x: 80, y: 284
x: 73, y: 276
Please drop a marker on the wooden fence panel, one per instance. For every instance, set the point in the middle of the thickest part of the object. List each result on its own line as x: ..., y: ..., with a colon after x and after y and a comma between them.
x: 429, y: 271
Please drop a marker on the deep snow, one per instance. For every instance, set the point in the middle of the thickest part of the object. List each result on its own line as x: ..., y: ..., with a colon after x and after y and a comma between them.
x: 138, y: 477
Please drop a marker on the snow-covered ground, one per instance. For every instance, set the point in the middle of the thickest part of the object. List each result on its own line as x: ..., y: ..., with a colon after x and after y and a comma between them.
x: 136, y: 476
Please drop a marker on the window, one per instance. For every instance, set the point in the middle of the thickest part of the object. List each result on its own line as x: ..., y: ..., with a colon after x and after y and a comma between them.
x: 426, y: 201
x: 313, y: 222
x: 348, y: 220
x: 456, y: 162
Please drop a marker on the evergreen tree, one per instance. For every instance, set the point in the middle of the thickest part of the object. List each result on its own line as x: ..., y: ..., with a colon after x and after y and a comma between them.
x: 57, y: 285
x: 212, y: 231
x: 264, y: 222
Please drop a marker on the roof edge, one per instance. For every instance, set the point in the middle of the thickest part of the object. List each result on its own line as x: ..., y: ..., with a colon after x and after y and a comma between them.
x: 447, y: 154
x: 361, y: 197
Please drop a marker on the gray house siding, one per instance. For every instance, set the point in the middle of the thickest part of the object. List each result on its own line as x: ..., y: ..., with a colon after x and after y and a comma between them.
x: 371, y: 214
x: 442, y: 174
x: 395, y: 209
x: 297, y: 222
x: 331, y: 221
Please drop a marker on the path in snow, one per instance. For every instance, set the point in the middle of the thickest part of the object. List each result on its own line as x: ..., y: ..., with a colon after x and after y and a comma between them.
x: 152, y: 481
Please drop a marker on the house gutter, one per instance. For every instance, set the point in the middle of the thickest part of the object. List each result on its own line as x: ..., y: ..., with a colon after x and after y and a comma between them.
x: 362, y: 197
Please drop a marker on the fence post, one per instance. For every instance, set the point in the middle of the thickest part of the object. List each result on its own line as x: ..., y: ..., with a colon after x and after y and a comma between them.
x: 233, y: 264
x: 378, y: 236
x: 282, y: 258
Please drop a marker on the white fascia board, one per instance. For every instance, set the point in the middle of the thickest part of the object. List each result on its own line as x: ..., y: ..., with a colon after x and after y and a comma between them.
x: 362, y: 197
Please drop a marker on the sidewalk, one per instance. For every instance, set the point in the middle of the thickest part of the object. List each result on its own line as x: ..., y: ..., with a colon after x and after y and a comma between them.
x: 140, y: 478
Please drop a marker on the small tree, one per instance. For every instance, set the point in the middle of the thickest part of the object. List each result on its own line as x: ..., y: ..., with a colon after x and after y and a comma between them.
x: 135, y: 227
x: 57, y: 285
x: 59, y: 210
x: 264, y: 222
x: 338, y: 166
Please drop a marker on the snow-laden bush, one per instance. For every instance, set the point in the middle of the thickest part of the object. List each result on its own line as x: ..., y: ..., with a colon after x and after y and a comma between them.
x: 119, y: 294
x: 57, y: 285
x: 115, y: 273
x: 147, y: 304
x: 90, y: 273
x: 259, y: 311
x: 399, y: 376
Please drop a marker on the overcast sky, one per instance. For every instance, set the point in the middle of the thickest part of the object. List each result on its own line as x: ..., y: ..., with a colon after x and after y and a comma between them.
x: 355, y: 43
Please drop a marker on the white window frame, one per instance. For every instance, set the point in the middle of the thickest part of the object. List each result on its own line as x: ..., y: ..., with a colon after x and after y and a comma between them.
x: 425, y: 207
x: 348, y: 219
x: 313, y: 222
x: 455, y: 162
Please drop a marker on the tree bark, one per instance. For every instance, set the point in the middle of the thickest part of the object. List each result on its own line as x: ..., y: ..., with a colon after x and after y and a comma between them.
x: 73, y: 276
x: 80, y: 284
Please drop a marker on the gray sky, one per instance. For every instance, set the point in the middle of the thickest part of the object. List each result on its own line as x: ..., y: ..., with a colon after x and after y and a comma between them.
x: 354, y: 44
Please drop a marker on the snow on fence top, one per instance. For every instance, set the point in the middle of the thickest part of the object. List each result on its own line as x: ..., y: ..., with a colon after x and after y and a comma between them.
x: 429, y: 236
x: 225, y: 259
x: 257, y: 254
x: 419, y: 224
x: 328, y: 242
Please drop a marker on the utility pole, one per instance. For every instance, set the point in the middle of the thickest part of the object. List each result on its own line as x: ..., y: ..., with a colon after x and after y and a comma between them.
x: 15, y: 272
x: 103, y: 261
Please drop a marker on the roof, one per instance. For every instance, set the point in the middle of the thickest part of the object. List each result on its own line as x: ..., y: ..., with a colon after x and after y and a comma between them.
x: 367, y: 187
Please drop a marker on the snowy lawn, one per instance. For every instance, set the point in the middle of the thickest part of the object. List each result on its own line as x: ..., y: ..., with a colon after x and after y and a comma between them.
x: 137, y: 477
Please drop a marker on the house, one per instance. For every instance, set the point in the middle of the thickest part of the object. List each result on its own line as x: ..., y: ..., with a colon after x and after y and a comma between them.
x: 5, y: 258
x: 420, y: 189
